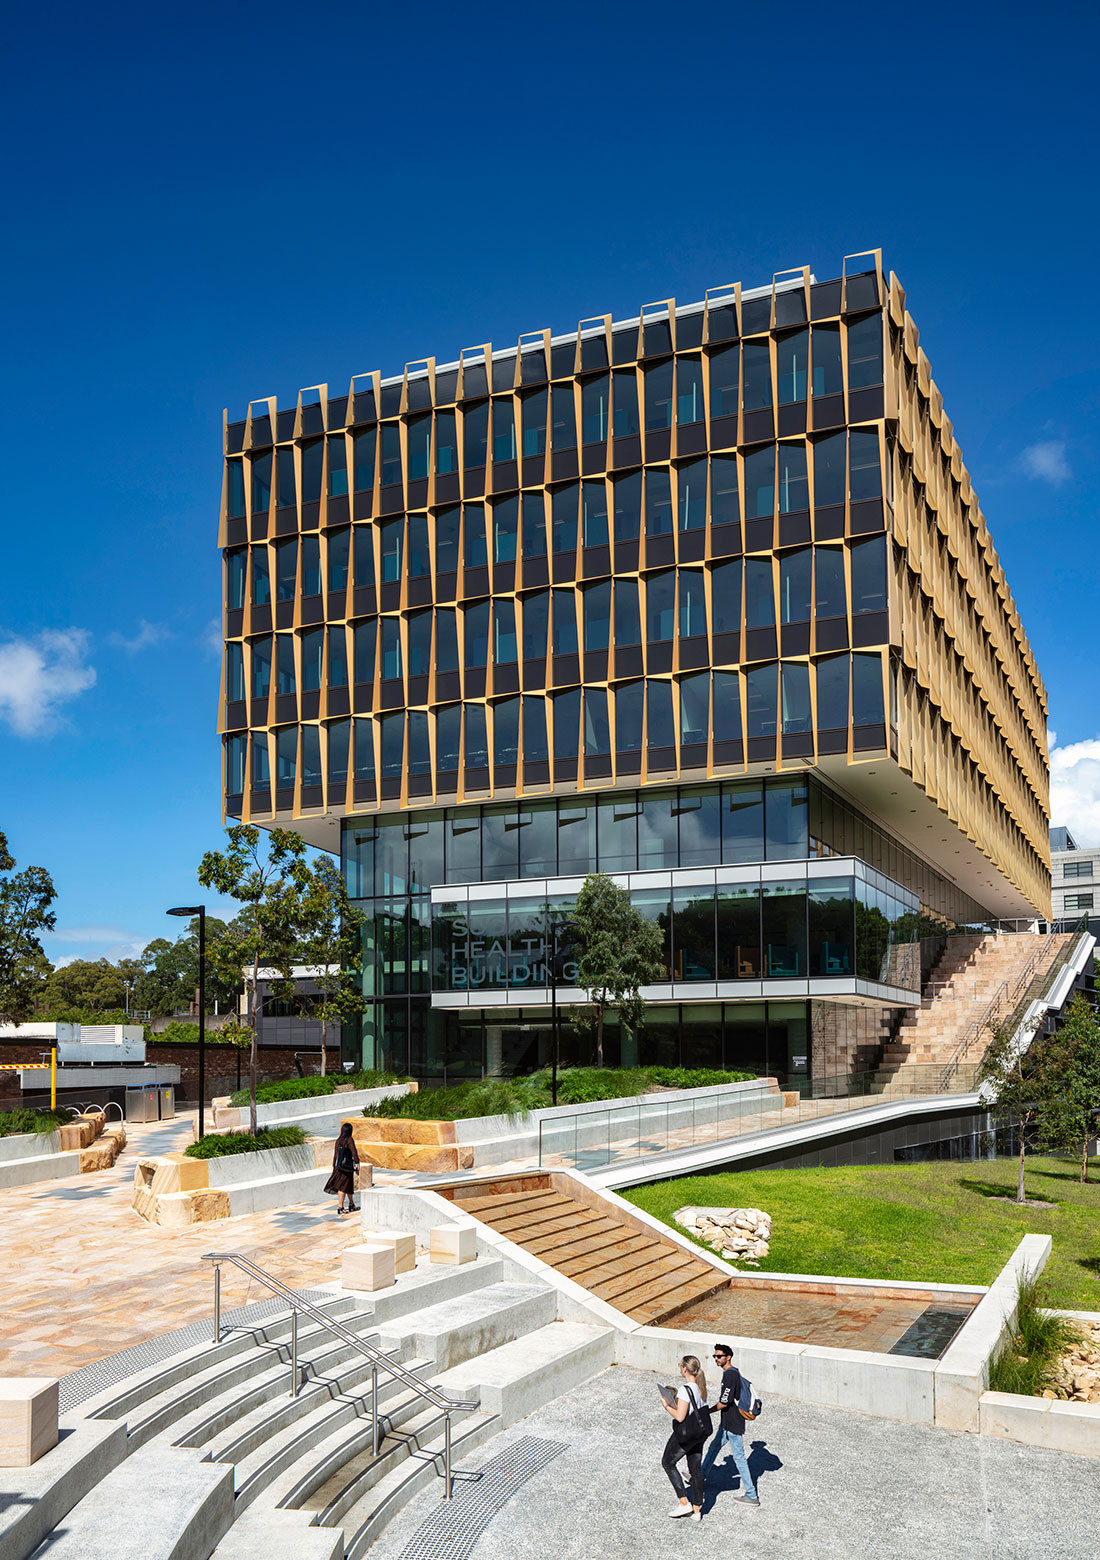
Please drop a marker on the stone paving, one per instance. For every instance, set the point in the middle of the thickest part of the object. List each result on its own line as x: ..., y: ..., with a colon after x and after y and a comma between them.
x: 833, y: 1485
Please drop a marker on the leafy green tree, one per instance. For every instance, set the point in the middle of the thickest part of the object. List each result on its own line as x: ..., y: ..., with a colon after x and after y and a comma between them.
x: 88, y: 985
x: 270, y: 887
x: 25, y: 900
x: 1072, y: 1119
x: 332, y: 949
x: 620, y: 951
x: 1017, y: 1078
x: 169, y: 973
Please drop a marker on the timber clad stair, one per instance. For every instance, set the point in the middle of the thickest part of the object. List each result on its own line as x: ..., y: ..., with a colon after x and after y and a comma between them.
x: 638, y: 1271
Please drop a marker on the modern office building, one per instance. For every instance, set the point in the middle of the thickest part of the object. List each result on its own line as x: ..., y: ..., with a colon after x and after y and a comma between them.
x: 1075, y: 882
x: 703, y: 599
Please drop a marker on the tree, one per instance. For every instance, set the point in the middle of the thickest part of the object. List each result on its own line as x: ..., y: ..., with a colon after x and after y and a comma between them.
x: 620, y: 951
x: 169, y: 975
x: 267, y: 931
x: 1073, y: 1117
x: 25, y: 900
x: 1016, y: 1075
x: 332, y: 950
x: 86, y: 985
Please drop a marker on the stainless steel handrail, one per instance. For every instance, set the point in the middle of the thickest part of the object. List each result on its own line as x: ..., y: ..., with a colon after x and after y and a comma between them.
x: 377, y: 1357
x: 989, y: 1017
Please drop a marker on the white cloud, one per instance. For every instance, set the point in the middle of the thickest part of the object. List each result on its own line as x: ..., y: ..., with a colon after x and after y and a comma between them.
x: 1046, y: 461
x: 211, y: 638
x: 39, y: 674
x: 147, y: 634
x: 90, y: 934
x: 1075, y: 789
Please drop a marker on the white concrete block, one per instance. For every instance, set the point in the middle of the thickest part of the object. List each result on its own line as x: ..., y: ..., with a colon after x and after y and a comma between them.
x: 453, y: 1244
x: 28, y: 1419
x: 368, y: 1267
x: 1011, y: 1416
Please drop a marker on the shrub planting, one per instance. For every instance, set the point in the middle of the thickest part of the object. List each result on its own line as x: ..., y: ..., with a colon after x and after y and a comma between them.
x: 310, y: 1088
x: 218, y: 1145
x: 517, y: 1096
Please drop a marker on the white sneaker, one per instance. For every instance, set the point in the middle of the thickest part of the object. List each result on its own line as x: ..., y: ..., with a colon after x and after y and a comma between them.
x: 680, y: 1511
x: 697, y: 1516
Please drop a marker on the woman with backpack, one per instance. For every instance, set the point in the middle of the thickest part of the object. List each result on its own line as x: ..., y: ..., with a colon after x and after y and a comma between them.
x: 690, y: 1430
x: 345, y: 1162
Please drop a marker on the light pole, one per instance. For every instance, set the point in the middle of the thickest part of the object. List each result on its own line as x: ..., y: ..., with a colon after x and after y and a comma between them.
x: 200, y: 911
x: 555, y: 1032
x: 128, y: 986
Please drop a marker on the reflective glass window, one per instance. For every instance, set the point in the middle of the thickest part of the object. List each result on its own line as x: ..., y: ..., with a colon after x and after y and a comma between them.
x: 534, y: 525
x: 737, y: 911
x: 313, y: 456
x: 261, y: 761
x: 446, y: 540
x: 867, y: 708
x: 536, y: 613
x: 660, y: 724
x: 537, y: 824
x: 661, y: 605
x: 865, y: 352
x: 420, y: 558
x: 628, y: 624
x: 504, y: 631
x: 873, y: 933
x: 829, y: 470
x: 757, y: 368
x: 313, y: 649
x: 339, y: 553
x: 286, y: 568
x: 363, y: 454
x: 658, y: 503
x: 700, y: 827
x: 617, y: 831
x: 832, y: 693
x: 446, y: 443
x: 234, y: 496
x: 742, y: 821
x: 693, y: 605
x: 628, y: 506
x: 658, y: 821
x: 286, y: 674
x: 339, y: 741
x: 364, y: 750
x: 504, y: 429
x: 448, y: 736
x: 499, y: 842
x: 393, y: 763
x: 576, y: 835
x: 391, y: 453
x: 794, y: 693
x: 563, y: 418
x: 311, y: 755
x: 760, y: 483
x: 567, y: 718
x: 629, y: 705
x: 725, y: 507
x: 424, y: 832
x: 691, y: 484
x: 337, y: 656
x: 828, y: 372
x: 759, y: 593
x: 420, y: 447
x: 261, y: 668
x: 786, y: 820
x: 476, y: 634
x: 288, y: 488
x: 783, y: 928
x: 236, y: 568
x: 286, y: 755
x: 475, y: 435
x: 830, y: 599
x: 831, y: 926
x: 565, y: 622
x: 658, y: 396
x: 420, y: 643
x: 261, y: 483
x: 446, y: 640
x: 868, y: 564
x: 505, y: 528
x: 534, y: 728
x: 533, y: 409
x: 654, y: 905
x: 692, y: 934
x: 391, y: 647
x: 234, y: 672
x: 392, y: 537
x: 236, y: 750
x: 794, y: 586
x: 597, y: 734
x: 364, y: 649
x: 724, y: 381
x: 689, y: 390
x: 364, y: 556
x: 792, y: 363
x: 761, y: 699
x: 477, y: 742
x: 866, y: 473
x: 420, y: 755
x: 595, y: 410
x: 625, y: 403
x: 596, y: 611
x: 794, y: 485
x: 311, y: 565
x: 564, y: 517
x: 695, y: 707
x: 727, y: 707
x: 506, y: 731
x: 594, y: 514
x: 475, y: 548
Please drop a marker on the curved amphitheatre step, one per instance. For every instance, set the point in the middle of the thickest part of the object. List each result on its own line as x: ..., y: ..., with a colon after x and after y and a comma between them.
x: 208, y: 1454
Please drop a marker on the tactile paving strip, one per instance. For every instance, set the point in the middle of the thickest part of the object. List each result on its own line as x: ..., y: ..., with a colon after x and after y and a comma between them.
x: 80, y: 1385
x: 453, y: 1529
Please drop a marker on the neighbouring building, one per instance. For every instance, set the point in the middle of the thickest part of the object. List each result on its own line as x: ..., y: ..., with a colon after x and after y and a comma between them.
x: 702, y: 598
x: 1075, y: 882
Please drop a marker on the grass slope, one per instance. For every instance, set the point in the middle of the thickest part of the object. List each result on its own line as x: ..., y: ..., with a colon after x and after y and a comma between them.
x: 944, y: 1223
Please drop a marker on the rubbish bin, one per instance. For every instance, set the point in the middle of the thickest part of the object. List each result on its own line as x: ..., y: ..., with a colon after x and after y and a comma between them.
x: 167, y: 1100
x: 142, y: 1104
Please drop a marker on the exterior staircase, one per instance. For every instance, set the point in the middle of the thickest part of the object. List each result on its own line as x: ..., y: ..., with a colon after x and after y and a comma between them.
x: 209, y: 1454
x: 976, y: 984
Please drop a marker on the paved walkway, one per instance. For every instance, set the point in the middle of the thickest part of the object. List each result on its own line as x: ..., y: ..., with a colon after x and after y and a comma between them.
x: 832, y: 1484
x: 82, y: 1276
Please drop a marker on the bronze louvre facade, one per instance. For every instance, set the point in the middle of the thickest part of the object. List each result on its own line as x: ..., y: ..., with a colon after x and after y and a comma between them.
x: 608, y: 598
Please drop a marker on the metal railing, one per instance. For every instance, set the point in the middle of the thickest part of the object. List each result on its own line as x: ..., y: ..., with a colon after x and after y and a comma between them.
x: 378, y: 1358
x: 1002, y: 1003
x: 652, y: 1125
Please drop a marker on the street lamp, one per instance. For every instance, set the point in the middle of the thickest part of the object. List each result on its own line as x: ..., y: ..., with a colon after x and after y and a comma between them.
x: 200, y: 911
x: 551, y: 939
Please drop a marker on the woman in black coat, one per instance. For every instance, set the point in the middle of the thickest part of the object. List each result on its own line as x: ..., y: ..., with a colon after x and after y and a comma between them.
x: 345, y: 1162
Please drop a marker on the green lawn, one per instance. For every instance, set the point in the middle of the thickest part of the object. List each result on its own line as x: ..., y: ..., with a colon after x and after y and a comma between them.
x: 940, y: 1222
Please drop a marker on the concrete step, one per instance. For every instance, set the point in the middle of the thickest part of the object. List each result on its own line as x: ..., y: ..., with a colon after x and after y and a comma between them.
x: 37, y: 1499
x: 280, y: 1535
x: 472, y: 1324
x: 515, y: 1379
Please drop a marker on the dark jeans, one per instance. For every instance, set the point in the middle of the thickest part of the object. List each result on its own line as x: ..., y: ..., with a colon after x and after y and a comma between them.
x: 694, y: 1454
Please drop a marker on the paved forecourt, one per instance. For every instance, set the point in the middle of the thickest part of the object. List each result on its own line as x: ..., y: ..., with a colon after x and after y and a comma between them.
x: 832, y: 1484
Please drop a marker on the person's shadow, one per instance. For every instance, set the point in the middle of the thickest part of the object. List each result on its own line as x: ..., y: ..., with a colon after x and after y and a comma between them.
x: 723, y: 1478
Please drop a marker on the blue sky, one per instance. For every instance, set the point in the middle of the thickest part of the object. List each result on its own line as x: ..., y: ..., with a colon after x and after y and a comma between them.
x: 208, y: 204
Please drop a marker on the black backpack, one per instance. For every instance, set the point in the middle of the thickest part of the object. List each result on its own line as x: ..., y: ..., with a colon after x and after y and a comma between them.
x: 696, y: 1426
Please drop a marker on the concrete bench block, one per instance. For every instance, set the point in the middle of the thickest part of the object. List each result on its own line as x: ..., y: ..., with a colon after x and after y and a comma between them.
x: 453, y: 1244
x: 368, y: 1267
x: 28, y: 1419
x: 404, y: 1247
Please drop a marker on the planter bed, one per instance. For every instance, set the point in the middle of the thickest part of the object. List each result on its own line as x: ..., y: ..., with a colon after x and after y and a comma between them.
x: 174, y: 1190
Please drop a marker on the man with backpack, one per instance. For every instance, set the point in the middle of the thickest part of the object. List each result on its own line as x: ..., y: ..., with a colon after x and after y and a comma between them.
x: 735, y: 1395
